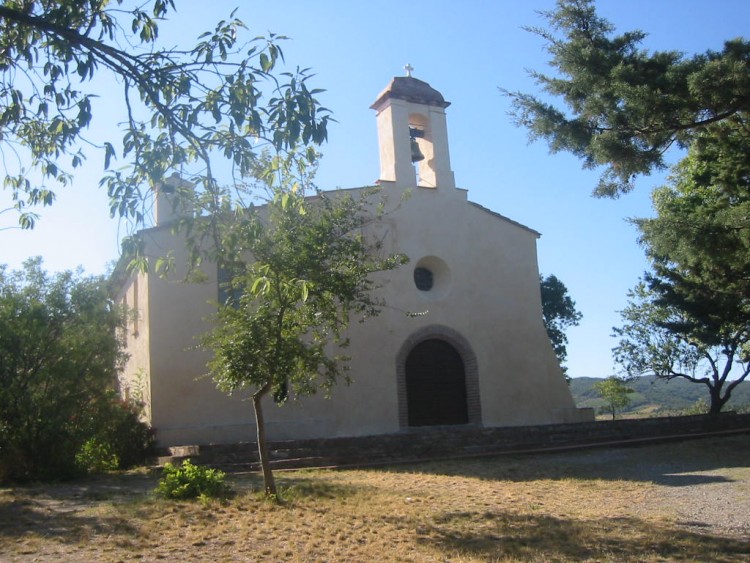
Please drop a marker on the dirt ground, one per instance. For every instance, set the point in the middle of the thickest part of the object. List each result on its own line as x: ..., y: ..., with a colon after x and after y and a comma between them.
x: 683, y: 501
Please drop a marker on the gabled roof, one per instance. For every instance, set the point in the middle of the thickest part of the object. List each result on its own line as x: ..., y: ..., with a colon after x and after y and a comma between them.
x: 504, y: 218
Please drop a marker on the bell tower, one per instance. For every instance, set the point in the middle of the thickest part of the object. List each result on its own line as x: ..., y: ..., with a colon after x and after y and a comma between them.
x: 412, y: 130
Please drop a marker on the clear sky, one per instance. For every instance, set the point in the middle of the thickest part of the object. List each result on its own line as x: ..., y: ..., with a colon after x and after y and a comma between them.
x: 466, y: 50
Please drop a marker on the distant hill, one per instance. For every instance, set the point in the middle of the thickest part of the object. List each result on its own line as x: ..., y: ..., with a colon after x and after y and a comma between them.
x: 654, y: 395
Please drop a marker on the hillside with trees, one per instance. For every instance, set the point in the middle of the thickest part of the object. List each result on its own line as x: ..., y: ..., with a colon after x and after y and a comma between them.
x: 654, y: 396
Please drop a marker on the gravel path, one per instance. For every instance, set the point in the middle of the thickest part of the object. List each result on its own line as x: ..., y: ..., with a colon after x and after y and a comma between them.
x: 710, y: 500
x: 705, y: 492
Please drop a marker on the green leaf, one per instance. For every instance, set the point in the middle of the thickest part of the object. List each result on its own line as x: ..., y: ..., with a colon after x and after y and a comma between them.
x: 260, y: 286
x: 265, y: 62
x: 109, y: 152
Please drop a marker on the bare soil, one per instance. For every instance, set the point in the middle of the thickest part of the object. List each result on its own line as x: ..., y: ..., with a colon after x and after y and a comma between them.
x: 682, y: 501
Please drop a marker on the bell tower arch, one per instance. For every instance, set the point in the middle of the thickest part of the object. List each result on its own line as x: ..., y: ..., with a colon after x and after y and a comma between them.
x: 411, y: 123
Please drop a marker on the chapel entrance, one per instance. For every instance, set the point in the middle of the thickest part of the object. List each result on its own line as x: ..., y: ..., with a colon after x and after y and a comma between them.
x: 435, y: 385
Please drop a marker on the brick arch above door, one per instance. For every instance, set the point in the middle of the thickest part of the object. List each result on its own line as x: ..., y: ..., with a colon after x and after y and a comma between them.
x: 462, y: 346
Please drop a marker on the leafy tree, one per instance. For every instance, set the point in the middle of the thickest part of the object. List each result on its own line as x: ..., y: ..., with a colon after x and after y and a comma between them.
x: 624, y: 107
x: 616, y: 394
x: 299, y: 271
x: 59, y: 357
x: 701, y: 229
x: 182, y: 107
x: 559, y: 313
x: 672, y: 336
x: 696, y: 297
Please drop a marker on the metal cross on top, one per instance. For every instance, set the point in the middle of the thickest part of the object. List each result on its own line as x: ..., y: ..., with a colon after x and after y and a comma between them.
x: 408, y: 68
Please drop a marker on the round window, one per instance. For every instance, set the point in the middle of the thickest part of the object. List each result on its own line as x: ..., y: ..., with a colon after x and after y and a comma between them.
x: 423, y: 279
x: 432, y: 278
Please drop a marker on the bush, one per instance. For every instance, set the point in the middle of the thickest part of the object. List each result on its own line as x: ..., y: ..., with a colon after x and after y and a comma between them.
x: 59, y: 354
x: 96, y: 457
x: 191, y: 481
x: 117, y: 424
x: 105, y: 436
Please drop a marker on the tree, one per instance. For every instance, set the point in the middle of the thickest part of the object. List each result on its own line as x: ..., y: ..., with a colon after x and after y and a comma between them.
x: 59, y: 357
x: 671, y: 334
x: 624, y: 107
x: 701, y: 229
x: 696, y: 299
x: 558, y: 313
x: 181, y: 107
x: 299, y: 271
x: 615, y: 393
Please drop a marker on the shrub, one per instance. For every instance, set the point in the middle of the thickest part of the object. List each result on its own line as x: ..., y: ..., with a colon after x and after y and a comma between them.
x: 59, y: 354
x: 117, y: 424
x: 96, y: 457
x: 191, y: 481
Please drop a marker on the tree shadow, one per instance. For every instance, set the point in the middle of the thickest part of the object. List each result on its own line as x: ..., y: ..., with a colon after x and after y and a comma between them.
x: 493, y: 536
x: 96, y: 487
x: 672, y: 465
x: 34, y: 518
x: 294, y: 488
x: 59, y: 509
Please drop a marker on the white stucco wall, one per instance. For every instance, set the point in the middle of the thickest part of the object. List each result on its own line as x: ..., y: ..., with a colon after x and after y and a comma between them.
x: 491, y: 300
x: 134, y: 382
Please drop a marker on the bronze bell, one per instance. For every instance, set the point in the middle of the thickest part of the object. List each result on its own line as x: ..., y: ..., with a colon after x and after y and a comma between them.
x: 416, y: 154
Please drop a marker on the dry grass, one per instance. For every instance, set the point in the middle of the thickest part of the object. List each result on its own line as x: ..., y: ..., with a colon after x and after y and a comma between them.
x: 607, y: 505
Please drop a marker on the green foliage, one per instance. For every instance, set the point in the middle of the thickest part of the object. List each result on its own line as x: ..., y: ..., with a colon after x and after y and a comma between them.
x: 59, y: 357
x: 181, y: 107
x: 690, y: 318
x: 700, y: 406
x: 655, y: 396
x: 623, y: 107
x: 189, y: 481
x: 615, y: 394
x: 301, y: 268
x: 308, y: 273
x: 96, y: 457
x: 559, y: 313
x: 699, y: 241
x: 661, y: 338
x: 116, y: 424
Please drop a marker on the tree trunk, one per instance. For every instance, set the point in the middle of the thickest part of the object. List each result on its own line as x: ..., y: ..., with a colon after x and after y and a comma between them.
x: 717, y: 403
x: 265, y: 461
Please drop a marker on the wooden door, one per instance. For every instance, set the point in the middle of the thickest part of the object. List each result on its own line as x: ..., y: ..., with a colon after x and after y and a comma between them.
x: 435, y: 385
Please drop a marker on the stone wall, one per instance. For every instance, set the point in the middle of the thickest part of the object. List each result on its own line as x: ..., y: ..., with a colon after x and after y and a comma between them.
x: 467, y: 441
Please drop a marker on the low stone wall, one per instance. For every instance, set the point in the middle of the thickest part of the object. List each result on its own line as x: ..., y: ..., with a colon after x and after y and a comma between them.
x: 465, y: 441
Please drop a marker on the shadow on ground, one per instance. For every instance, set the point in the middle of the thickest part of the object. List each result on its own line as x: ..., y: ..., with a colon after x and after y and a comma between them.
x: 496, y: 536
x: 672, y: 465
x: 34, y: 518
x: 57, y: 510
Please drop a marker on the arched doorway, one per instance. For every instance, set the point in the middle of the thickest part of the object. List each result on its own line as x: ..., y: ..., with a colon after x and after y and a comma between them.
x: 435, y: 385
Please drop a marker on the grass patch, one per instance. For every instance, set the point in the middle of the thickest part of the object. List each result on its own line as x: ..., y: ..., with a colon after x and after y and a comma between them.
x: 600, y: 505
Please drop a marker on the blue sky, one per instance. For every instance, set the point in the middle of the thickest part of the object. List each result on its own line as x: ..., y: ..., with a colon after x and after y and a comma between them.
x: 466, y: 50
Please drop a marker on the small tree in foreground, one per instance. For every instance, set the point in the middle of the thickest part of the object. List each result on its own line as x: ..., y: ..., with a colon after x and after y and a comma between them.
x: 615, y: 393
x: 300, y: 270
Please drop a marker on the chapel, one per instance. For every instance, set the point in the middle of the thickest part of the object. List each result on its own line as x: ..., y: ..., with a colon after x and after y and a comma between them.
x: 477, y: 354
